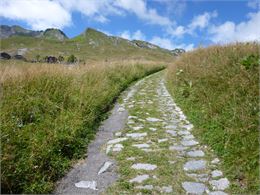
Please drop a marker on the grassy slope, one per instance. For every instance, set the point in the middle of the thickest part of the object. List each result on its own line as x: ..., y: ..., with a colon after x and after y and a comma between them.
x: 217, y: 88
x: 102, y: 47
x: 48, y: 116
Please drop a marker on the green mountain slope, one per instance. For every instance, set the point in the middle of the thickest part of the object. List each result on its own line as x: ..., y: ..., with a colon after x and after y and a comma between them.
x: 91, y: 45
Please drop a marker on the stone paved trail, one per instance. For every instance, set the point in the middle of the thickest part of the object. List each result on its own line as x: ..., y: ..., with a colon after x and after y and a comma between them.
x: 156, y: 152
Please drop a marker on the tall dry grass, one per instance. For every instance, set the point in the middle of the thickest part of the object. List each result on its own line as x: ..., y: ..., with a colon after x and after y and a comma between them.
x: 49, y: 113
x: 218, y: 88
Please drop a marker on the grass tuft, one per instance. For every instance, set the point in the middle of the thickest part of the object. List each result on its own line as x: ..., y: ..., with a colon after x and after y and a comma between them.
x: 49, y: 114
x: 217, y: 87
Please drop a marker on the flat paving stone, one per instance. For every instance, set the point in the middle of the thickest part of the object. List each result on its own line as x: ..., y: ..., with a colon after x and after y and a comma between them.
x: 104, y: 167
x: 217, y: 193
x: 137, y: 128
x: 139, y: 178
x: 194, y: 165
x: 215, y: 161
x: 150, y: 119
x: 87, y: 184
x: 220, y: 184
x: 178, y: 148
x: 195, y: 153
x: 194, y: 187
x: 136, y: 135
x: 172, y: 132
x: 183, y: 132
x: 167, y: 189
x: 162, y: 140
x: 153, y: 129
x: 117, y: 140
x: 189, y: 142
x: 141, y: 145
x: 216, y: 173
x: 145, y: 187
x: 117, y: 147
x: 198, y: 177
x: 143, y: 166
x: 187, y: 137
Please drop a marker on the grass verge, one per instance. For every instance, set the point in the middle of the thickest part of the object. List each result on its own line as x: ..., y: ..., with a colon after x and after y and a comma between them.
x: 49, y: 114
x: 217, y: 88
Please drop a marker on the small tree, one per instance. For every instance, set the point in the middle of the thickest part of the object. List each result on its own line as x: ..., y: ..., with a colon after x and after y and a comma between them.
x: 72, y: 59
x: 38, y: 58
x: 61, y: 58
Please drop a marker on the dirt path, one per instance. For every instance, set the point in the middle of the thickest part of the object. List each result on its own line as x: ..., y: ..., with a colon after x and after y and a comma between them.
x: 154, y: 153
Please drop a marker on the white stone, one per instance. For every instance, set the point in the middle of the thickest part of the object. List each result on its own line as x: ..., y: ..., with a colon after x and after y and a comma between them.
x: 167, y: 189
x: 87, y: 184
x: 120, y: 109
x: 141, y: 145
x: 118, y: 134
x: 217, y: 193
x: 145, y: 187
x: 108, y: 148
x: 172, y: 162
x: 173, y: 133
x: 220, y: 184
x: 152, y: 129
x: 130, y: 158
x: 137, y: 128
x: 199, y: 177
x: 150, y: 119
x: 196, y: 153
x: 189, y: 142
x: 130, y: 122
x: 136, y: 135
x: 187, y: 137
x: 147, y: 149
x: 139, y: 179
x: 215, y: 161
x: 118, y: 147
x: 104, y: 167
x: 178, y: 148
x: 171, y: 127
x: 117, y: 140
x: 216, y: 173
x: 184, y: 132
x: 188, y: 127
x: 143, y: 166
x: 162, y: 140
x: 194, y: 187
x: 132, y: 117
x: 194, y: 165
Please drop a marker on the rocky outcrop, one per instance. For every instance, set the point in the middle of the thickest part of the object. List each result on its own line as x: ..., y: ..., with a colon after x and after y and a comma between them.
x: 177, y: 51
x: 51, y: 33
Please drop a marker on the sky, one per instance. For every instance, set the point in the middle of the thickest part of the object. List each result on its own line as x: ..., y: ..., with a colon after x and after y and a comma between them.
x: 167, y: 23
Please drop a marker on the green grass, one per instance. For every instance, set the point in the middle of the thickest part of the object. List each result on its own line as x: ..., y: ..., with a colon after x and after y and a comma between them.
x: 49, y: 116
x: 218, y: 89
x: 91, y: 46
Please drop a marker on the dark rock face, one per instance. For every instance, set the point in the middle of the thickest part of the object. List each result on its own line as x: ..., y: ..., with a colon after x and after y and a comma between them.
x: 51, y: 59
x: 9, y: 31
x: 5, y: 56
x: 177, y: 51
x: 19, y: 57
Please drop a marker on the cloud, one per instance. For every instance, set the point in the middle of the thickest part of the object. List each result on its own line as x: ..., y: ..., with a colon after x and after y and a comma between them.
x: 137, y: 35
x: 230, y: 32
x: 176, y: 7
x: 140, y: 9
x: 41, y: 14
x: 37, y: 14
x: 254, y: 4
x: 200, y: 22
x: 168, y: 44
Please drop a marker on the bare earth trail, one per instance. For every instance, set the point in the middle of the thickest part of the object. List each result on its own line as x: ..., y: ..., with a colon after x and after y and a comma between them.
x: 146, y: 146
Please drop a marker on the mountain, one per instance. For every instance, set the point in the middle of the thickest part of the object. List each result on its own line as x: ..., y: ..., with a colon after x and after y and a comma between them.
x: 51, y: 33
x: 90, y: 45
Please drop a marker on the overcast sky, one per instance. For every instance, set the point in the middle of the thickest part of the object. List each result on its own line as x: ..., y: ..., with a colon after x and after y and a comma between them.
x: 167, y: 23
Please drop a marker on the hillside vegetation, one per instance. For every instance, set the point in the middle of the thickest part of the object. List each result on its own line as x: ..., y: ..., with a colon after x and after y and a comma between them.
x: 90, y: 46
x: 49, y: 113
x: 218, y: 89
